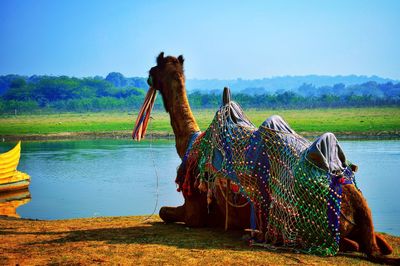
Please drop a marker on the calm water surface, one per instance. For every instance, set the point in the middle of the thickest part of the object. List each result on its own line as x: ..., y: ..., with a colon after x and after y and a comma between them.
x: 72, y: 179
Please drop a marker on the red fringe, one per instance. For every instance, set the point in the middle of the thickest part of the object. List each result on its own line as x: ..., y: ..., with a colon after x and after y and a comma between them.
x: 142, y: 120
x: 189, y: 178
x: 186, y: 176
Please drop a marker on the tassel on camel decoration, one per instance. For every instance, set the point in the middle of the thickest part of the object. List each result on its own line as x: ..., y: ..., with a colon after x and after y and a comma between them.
x: 142, y: 120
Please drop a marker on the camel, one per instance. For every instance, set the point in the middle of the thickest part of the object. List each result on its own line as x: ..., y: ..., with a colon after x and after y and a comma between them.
x: 200, y: 209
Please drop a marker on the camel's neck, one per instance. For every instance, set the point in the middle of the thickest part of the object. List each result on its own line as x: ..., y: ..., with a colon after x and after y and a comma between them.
x: 182, y: 120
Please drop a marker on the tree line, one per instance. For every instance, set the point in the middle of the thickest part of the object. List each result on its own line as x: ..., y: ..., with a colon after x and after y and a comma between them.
x: 68, y: 94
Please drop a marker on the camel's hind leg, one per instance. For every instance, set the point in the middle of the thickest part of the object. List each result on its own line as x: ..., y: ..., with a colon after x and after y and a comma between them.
x: 355, y: 209
x: 348, y: 245
x: 383, y: 245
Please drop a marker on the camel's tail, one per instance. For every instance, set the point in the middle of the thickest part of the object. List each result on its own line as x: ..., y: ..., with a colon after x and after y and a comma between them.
x: 142, y: 120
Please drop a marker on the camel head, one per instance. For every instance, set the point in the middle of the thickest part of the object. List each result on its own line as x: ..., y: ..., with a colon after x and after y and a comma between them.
x: 168, y: 78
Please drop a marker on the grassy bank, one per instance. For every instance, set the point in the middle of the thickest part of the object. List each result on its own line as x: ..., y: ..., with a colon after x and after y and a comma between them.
x: 129, y: 240
x: 373, y: 121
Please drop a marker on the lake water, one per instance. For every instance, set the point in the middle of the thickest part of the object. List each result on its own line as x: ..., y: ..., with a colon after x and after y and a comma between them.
x: 72, y: 179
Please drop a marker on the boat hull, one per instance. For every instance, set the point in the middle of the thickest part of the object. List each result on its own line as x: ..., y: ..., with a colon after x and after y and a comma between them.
x: 10, y: 201
x: 14, y: 186
x: 10, y: 178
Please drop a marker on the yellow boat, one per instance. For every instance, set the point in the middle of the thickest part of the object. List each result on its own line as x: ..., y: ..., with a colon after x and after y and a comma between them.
x: 10, y: 177
x: 11, y: 200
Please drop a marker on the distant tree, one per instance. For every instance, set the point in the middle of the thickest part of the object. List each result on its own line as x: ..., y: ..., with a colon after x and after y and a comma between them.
x: 19, y: 91
x: 138, y: 83
x: 5, y: 82
x: 117, y: 79
x: 18, y: 83
x: 71, y: 94
x: 338, y: 89
x: 330, y: 100
x: 307, y: 89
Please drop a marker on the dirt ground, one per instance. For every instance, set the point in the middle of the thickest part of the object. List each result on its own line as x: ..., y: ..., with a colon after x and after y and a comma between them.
x: 134, y: 240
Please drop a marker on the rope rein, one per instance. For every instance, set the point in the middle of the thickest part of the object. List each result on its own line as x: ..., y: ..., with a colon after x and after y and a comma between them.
x: 157, y: 177
x: 229, y: 202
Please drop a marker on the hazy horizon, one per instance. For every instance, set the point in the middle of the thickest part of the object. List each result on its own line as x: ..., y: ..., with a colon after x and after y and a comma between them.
x: 221, y: 79
x: 224, y: 40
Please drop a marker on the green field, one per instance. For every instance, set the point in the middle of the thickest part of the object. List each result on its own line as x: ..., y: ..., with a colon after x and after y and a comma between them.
x: 342, y: 121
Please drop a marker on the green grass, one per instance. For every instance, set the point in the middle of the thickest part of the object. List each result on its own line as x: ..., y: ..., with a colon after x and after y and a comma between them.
x: 346, y: 120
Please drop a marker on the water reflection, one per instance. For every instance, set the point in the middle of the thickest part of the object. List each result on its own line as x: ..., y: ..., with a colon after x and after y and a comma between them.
x: 89, y: 178
x: 10, y: 201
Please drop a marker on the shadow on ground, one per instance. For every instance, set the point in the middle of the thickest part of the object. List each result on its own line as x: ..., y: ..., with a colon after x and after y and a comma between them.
x: 176, y: 235
x: 151, y: 233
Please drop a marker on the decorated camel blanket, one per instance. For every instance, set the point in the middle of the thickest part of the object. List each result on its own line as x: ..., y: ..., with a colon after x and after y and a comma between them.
x: 294, y: 186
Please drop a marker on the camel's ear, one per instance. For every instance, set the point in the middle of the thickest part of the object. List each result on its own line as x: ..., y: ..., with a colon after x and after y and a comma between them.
x: 181, y: 59
x: 160, y: 58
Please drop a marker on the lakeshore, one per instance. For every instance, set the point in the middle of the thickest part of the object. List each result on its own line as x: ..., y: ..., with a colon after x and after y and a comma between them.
x: 143, y: 241
x: 378, y: 135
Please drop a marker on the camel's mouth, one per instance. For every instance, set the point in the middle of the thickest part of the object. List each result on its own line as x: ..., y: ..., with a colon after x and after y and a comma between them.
x: 150, y: 81
x: 143, y: 117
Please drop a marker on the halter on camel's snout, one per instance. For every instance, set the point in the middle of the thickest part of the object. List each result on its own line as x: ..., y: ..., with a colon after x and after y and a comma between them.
x: 143, y: 117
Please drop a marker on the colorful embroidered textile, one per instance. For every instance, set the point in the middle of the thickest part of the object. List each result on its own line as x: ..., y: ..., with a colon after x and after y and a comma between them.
x: 294, y: 185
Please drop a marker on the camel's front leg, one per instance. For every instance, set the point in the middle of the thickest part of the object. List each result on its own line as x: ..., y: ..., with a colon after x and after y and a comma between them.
x: 193, y: 212
x: 196, y: 212
x: 172, y: 214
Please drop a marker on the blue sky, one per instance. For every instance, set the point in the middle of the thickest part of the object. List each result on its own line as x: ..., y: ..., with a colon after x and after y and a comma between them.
x: 219, y: 39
